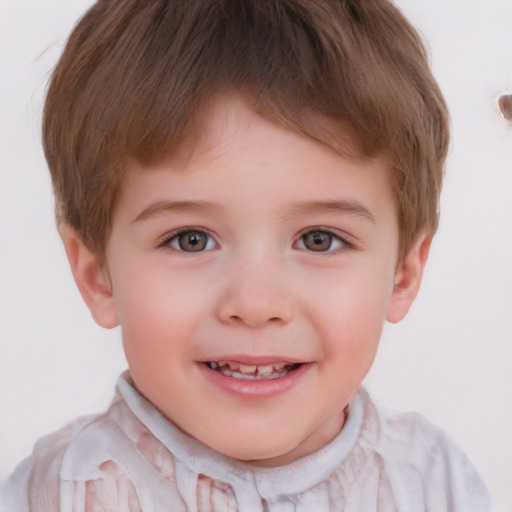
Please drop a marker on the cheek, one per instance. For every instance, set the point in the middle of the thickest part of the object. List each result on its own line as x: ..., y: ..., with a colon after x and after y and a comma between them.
x: 356, y: 293
x: 350, y: 310
x: 152, y: 295
x: 157, y: 316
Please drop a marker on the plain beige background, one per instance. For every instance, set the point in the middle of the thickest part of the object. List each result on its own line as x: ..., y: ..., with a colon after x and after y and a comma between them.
x: 451, y: 359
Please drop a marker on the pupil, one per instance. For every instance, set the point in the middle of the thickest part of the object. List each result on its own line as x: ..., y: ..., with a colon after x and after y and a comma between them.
x: 192, y: 242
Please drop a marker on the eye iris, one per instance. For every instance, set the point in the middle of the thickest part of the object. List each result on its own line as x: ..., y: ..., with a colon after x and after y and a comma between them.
x: 318, y: 241
x: 193, y: 241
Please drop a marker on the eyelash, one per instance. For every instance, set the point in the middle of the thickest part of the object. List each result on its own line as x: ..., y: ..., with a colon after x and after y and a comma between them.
x: 342, y: 243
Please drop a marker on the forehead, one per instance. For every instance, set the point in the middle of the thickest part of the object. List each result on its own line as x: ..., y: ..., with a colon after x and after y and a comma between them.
x: 227, y: 115
x: 237, y: 122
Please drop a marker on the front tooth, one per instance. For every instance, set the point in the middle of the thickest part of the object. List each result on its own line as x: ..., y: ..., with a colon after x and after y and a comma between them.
x: 247, y: 369
x: 279, y: 366
x: 265, y: 370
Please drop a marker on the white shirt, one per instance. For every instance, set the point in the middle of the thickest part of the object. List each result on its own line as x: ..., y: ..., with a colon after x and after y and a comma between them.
x: 133, y: 459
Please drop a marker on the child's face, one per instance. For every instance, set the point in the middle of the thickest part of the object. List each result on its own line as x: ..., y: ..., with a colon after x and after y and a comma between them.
x: 266, y: 250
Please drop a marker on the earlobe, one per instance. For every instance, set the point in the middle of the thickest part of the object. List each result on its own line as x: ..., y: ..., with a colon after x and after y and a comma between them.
x: 91, y: 278
x: 408, y: 279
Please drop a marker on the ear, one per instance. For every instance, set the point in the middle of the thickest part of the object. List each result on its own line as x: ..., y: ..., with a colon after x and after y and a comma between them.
x: 408, y: 279
x: 91, y: 277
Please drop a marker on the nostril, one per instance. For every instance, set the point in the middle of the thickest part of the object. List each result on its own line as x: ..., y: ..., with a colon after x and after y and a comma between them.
x: 255, y: 320
x: 255, y: 306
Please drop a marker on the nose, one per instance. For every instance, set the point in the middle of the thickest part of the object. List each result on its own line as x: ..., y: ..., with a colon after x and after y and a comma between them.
x: 256, y: 294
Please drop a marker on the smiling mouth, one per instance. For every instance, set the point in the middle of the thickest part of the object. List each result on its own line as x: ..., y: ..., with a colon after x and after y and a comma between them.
x: 253, y: 372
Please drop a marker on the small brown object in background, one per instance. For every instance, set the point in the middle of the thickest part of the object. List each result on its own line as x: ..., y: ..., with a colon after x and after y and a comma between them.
x: 504, y: 103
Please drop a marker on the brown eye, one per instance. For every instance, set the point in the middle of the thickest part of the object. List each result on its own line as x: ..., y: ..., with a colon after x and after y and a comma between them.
x: 192, y: 241
x: 319, y: 241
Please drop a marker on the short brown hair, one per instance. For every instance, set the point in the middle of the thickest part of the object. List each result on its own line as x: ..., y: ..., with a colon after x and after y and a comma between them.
x: 136, y: 75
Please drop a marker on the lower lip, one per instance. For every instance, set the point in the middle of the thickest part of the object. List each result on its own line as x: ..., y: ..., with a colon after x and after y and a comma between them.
x: 254, y: 389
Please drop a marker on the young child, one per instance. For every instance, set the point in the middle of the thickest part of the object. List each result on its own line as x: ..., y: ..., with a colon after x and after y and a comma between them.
x: 250, y: 189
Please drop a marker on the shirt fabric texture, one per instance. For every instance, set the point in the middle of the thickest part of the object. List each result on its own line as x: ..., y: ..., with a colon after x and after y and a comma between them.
x: 132, y: 459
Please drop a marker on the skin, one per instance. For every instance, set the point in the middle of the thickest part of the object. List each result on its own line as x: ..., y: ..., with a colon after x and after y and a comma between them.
x: 294, y: 260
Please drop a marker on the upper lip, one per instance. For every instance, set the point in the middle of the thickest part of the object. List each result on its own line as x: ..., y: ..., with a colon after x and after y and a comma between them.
x: 255, y: 360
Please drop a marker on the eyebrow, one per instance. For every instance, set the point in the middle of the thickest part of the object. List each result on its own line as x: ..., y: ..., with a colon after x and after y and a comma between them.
x: 343, y: 206
x: 162, y: 207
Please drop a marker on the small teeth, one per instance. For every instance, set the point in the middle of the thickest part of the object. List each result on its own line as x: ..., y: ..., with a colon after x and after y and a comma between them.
x: 245, y: 371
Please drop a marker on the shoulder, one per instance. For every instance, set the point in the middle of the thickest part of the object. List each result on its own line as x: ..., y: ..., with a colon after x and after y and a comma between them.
x: 34, y: 485
x: 102, y: 463
x: 409, y: 436
x: 416, y: 453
